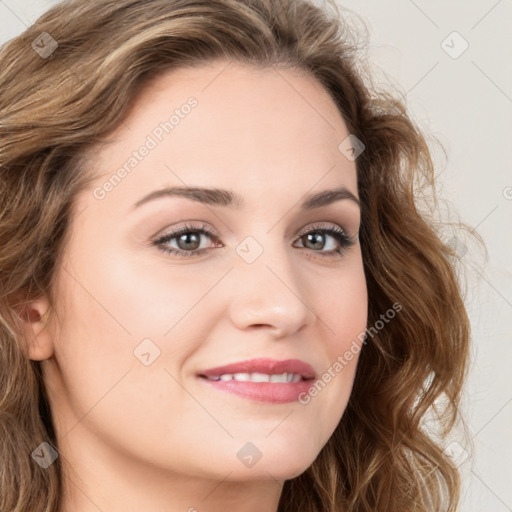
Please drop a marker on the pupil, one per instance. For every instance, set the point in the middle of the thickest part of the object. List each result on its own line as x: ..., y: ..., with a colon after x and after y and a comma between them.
x: 316, y: 239
x: 186, y: 238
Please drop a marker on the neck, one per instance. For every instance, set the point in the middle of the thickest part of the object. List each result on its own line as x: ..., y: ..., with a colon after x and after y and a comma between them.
x: 99, y: 478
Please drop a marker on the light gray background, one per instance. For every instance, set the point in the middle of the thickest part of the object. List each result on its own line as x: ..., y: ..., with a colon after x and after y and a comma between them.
x: 466, y: 102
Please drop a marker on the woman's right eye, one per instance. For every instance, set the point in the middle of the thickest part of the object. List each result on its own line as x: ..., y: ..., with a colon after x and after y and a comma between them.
x: 188, y: 240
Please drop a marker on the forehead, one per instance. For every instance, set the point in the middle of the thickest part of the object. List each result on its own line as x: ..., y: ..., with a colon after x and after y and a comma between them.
x: 250, y: 127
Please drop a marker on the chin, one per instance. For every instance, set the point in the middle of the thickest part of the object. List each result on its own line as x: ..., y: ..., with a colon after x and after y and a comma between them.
x: 279, y: 468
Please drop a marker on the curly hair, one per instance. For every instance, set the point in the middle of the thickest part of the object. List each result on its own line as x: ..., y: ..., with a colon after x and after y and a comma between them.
x: 59, y: 97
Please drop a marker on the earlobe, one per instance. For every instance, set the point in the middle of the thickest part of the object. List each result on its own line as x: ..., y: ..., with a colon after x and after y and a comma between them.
x: 34, y: 315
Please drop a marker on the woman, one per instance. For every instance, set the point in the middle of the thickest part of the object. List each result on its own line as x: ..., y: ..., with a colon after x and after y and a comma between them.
x: 217, y: 289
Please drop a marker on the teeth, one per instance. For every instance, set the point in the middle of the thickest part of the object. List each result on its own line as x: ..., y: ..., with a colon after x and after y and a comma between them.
x: 241, y: 376
x: 259, y: 377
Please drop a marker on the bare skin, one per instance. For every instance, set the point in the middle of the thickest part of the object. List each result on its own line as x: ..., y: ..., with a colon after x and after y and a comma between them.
x: 155, y: 436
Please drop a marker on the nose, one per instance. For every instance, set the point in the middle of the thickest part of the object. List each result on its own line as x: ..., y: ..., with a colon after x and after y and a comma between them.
x: 269, y: 293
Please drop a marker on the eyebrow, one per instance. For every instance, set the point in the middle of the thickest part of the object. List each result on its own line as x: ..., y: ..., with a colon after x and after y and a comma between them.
x: 226, y: 198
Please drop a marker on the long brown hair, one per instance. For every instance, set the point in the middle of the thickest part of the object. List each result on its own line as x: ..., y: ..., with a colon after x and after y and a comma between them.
x: 70, y: 79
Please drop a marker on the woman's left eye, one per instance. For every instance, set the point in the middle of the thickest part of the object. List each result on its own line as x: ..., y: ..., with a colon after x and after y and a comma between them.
x: 316, y: 236
x: 186, y: 241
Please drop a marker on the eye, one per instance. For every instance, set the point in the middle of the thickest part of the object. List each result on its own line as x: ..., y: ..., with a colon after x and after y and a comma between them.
x: 317, y: 237
x: 186, y: 241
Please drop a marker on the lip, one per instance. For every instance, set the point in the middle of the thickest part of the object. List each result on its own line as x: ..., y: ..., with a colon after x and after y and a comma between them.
x: 264, y: 365
x: 270, y: 392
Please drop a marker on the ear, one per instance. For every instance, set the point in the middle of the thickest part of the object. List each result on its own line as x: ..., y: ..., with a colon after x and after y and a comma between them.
x: 34, y: 315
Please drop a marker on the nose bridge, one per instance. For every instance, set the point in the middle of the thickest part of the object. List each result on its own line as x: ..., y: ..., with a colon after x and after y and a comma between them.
x: 267, y: 288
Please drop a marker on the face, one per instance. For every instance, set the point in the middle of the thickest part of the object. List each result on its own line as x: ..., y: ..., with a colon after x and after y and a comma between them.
x: 155, y: 289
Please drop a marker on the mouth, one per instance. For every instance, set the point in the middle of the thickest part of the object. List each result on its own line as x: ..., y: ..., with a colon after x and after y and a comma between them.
x: 257, y: 377
x: 262, y: 380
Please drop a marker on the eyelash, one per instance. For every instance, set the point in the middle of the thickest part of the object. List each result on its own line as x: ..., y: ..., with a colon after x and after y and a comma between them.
x: 344, y: 240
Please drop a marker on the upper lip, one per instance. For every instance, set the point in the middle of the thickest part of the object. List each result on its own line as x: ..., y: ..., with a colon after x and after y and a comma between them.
x: 263, y: 365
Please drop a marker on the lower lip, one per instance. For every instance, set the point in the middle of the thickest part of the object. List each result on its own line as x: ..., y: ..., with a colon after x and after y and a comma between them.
x: 273, y: 392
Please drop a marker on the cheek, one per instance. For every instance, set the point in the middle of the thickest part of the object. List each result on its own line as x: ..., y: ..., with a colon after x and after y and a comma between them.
x: 110, y: 304
x: 92, y: 345
x: 161, y: 299
x: 101, y: 383
x: 136, y: 297
x: 345, y: 308
x: 344, y: 311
